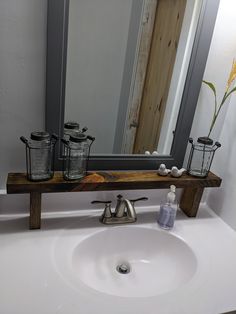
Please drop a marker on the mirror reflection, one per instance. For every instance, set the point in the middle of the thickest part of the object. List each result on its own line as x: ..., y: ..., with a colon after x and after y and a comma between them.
x: 127, y: 62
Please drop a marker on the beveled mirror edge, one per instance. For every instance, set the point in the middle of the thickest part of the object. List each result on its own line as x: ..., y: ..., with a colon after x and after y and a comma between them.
x: 57, y: 31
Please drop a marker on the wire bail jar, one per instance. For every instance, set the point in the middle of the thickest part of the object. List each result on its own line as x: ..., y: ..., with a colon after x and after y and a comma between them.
x: 201, y: 156
x: 71, y: 128
x: 40, y: 154
x: 77, y: 152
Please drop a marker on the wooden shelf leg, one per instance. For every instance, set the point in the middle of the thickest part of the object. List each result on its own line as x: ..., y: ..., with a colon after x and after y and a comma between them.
x: 190, y: 201
x: 35, y: 210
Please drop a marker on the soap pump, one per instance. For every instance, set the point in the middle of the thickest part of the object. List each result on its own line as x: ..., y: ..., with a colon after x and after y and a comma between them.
x: 166, y: 217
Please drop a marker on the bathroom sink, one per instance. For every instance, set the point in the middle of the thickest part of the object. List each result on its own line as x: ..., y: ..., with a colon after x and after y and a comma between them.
x: 128, y: 261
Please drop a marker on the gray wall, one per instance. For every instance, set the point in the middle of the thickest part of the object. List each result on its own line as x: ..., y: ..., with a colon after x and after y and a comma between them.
x: 97, y: 40
x: 22, y: 77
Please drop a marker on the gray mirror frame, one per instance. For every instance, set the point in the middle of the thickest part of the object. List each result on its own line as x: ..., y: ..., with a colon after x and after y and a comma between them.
x: 57, y: 32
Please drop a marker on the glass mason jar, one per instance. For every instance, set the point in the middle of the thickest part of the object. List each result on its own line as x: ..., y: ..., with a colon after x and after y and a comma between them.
x: 77, y: 151
x: 40, y: 155
x: 201, y: 156
x: 70, y: 128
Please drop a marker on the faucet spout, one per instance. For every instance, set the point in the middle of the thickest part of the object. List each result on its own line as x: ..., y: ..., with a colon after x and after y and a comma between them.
x: 124, y: 208
x: 130, y: 209
x: 120, y: 207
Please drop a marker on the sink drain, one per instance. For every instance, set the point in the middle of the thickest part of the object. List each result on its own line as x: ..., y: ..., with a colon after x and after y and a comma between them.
x: 123, y: 268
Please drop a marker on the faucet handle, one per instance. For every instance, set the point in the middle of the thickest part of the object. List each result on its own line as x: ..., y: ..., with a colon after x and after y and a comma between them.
x: 139, y: 199
x: 101, y: 202
x: 107, y: 210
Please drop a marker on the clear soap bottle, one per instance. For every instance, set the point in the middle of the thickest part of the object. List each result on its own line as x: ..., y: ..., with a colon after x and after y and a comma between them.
x: 168, y: 209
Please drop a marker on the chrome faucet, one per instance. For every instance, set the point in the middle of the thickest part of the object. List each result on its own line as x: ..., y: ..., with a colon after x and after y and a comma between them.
x: 124, y: 211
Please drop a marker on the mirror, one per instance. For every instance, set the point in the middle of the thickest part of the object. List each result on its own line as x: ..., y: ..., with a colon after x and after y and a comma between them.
x: 131, y: 72
x: 103, y: 58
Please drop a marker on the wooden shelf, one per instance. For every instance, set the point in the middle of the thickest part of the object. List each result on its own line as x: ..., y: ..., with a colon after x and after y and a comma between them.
x: 17, y: 183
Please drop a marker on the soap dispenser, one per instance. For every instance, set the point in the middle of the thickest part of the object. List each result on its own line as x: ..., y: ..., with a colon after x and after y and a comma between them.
x: 167, y: 214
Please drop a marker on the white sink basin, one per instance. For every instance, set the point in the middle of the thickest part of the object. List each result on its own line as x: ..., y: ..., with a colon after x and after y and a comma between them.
x: 156, y: 261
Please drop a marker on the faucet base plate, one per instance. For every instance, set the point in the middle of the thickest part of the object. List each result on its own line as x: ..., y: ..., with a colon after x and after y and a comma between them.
x: 113, y: 220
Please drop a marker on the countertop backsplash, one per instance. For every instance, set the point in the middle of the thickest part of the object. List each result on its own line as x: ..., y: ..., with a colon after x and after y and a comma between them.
x: 53, y: 202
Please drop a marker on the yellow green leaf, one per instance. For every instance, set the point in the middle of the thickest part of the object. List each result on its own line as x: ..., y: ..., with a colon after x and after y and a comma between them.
x: 233, y: 90
x: 211, y: 85
x: 232, y: 75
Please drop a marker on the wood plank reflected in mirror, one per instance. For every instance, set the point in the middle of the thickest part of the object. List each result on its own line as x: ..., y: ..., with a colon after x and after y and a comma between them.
x: 124, y: 67
x: 165, y: 39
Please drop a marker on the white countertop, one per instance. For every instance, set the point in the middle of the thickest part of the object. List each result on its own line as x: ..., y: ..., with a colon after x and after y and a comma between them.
x: 30, y: 281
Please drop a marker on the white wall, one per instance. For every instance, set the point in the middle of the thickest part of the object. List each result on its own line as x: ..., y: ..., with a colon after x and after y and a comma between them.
x: 22, y: 78
x: 222, y: 52
x: 97, y: 40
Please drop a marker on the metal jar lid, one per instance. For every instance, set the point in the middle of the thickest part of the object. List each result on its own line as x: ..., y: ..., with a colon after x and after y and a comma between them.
x: 71, y: 125
x: 78, y: 138
x: 205, y: 140
x: 39, y: 136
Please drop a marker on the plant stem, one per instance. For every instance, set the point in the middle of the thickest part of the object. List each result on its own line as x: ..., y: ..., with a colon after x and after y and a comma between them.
x: 216, y: 113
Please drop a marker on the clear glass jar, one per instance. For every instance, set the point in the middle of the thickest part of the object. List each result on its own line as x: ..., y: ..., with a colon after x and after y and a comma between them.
x: 70, y: 128
x: 201, y: 156
x: 40, y: 156
x: 77, y: 151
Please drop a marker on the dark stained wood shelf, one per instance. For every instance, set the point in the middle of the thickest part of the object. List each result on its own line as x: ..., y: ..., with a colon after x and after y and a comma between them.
x: 17, y: 183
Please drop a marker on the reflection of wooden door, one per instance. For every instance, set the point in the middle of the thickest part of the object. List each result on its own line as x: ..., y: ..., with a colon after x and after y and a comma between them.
x: 159, y: 37
x: 166, y: 33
